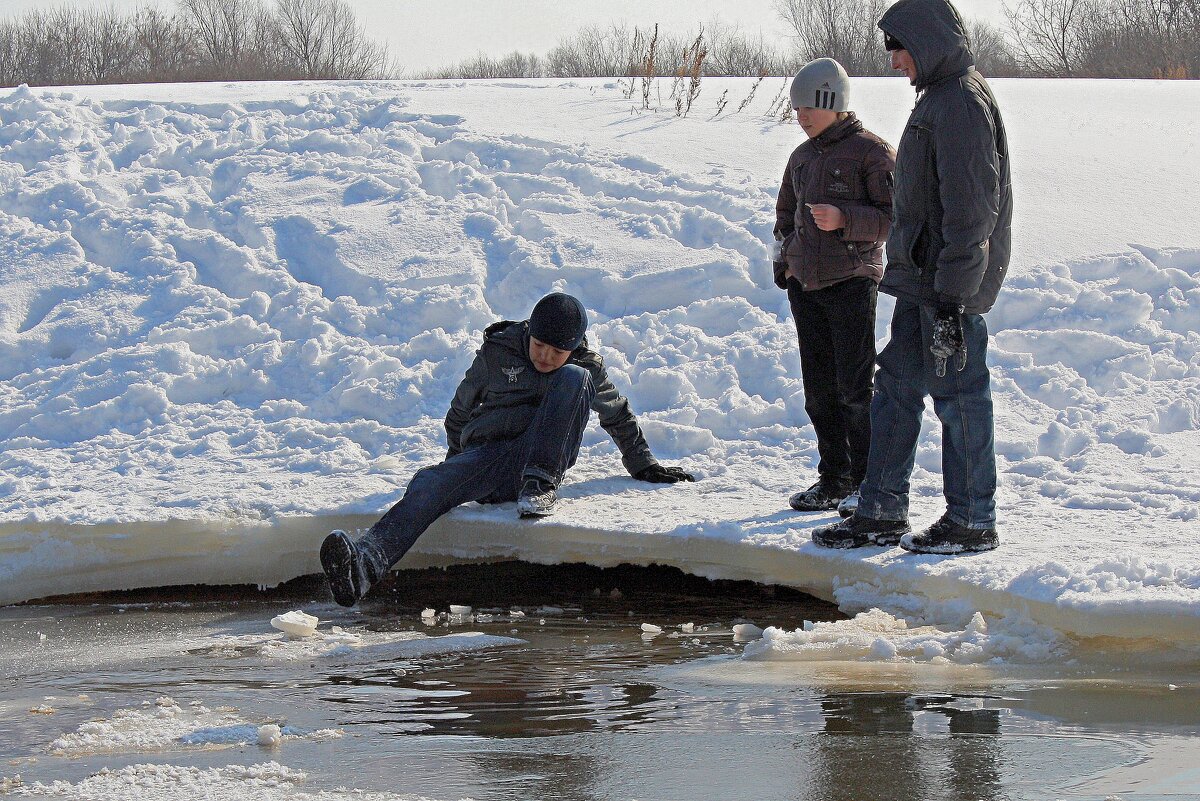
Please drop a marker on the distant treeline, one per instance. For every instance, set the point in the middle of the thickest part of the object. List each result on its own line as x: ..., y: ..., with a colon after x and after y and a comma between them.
x: 204, y: 40
x: 1040, y: 38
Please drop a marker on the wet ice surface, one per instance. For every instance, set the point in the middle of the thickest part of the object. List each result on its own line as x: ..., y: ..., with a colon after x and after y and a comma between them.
x: 549, y: 687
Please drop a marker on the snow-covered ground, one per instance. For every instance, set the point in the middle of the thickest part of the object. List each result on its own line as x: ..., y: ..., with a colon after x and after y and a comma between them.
x: 233, y: 315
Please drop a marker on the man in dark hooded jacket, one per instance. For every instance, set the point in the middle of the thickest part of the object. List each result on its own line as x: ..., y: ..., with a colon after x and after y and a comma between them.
x: 948, y: 252
x: 513, y: 429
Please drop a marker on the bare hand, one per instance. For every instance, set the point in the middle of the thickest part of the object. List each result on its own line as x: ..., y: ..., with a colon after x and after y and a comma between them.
x: 827, y: 217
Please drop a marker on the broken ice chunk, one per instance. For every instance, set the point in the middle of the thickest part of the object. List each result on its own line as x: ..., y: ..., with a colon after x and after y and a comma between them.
x: 270, y: 735
x: 746, y: 631
x: 650, y: 628
x: 459, y: 609
x: 688, y: 628
x: 428, y: 614
x: 296, y: 624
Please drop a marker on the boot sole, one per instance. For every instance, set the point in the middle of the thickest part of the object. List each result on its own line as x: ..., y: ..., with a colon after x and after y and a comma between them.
x: 885, y: 539
x: 337, y: 560
x: 829, y: 507
x: 841, y: 545
x: 525, y: 513
x: 888, y: 539
x: 948, y: 549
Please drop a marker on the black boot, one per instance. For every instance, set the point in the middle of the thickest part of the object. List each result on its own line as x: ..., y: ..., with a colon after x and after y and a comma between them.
x: 349, y: 573
x: 849, y: 504
x: 947, y: 537
x: 537, y: 497
x: 826, y: 494
x: 856, y: 531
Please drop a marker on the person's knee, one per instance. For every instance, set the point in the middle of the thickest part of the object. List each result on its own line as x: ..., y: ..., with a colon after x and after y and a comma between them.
x: 575, y: 376
x: 573, y: 373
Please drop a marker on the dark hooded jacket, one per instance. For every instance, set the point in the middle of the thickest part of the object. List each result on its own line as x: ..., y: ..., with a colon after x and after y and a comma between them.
x: 952, y: 207
x: 502, y: 390
x: 848, y: 167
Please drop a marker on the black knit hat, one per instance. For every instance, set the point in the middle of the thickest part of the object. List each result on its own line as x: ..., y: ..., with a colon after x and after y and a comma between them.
x: 558, y: 320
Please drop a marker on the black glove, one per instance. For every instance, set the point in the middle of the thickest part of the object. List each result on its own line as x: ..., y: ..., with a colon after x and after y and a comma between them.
x: 657, y: 474
x: 778, y: 265
x: 780, y: 269
x: 948, y: 338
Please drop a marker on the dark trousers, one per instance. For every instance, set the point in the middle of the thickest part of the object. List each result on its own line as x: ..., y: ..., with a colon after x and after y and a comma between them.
x: 836, y: 328
x: 489, y: 473
x: 963, y: 403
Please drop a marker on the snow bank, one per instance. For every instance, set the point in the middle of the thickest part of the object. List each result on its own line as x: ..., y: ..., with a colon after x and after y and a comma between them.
x: 163, y: 725
x: 264, y: 781
x: 341, y: 645
x: 233, y: 316
x: 877, y: 636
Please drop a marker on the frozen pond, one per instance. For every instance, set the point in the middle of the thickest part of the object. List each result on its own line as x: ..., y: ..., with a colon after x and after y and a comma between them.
x: 557, y: 691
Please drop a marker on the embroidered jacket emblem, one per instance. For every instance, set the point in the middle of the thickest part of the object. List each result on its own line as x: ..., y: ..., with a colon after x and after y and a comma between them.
x: 512, y: 373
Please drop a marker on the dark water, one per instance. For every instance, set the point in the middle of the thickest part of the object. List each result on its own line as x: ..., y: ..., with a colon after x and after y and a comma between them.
x: 589, y: 708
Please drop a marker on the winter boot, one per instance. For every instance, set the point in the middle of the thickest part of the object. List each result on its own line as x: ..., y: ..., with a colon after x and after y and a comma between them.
x: 849, y: 504
x: 947, y: 537
x: 856, y: 531
x: 537, y: 497
x: 820, y: 497
x: 346, y: 569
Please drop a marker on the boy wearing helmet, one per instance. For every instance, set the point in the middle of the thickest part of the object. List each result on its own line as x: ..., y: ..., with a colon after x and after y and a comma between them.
x: 513, y: 429
x: 832, y: 217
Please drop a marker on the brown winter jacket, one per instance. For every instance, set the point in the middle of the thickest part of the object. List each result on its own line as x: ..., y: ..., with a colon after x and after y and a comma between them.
x: 850, y: 168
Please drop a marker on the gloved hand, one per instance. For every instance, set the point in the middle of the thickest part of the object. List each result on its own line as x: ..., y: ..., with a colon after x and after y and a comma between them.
x: 657, y: 474
x: 778, y: 265
x: 948, y: 338
x: 781, y: 277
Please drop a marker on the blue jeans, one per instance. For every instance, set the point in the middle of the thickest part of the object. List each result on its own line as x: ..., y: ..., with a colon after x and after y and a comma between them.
x: 962, y: 401
x: 491, y: 472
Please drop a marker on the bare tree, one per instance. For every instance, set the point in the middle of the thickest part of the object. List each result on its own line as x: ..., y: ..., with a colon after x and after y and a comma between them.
x: 994, y: 56
x: 1049, y: 34
x: 164, y: 52
x: 846, y: 30
x: 731, y: 52
x: 594, y: 52
x: 108, y: 47
x: 514, y: 65
x: 1142, y: 38
x: 223, y: 29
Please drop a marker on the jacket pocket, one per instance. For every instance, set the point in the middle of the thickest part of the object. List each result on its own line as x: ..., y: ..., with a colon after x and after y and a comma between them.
x: 841, y: 181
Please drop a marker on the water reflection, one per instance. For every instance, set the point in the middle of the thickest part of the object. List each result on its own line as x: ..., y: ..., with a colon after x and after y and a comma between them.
x: 870, y: 748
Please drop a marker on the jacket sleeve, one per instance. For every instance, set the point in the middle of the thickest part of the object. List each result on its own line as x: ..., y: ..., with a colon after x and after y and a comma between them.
x: 871, y: 221
x: 785, y: 204
x: 968, y: 172
x: 468, y: 395
x: 619, y: 421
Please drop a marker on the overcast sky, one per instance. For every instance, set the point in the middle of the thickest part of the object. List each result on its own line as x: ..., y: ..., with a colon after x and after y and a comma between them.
x: 424, y: 34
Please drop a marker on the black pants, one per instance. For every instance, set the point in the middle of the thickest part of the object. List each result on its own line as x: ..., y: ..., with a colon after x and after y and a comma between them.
x: 836, y: 328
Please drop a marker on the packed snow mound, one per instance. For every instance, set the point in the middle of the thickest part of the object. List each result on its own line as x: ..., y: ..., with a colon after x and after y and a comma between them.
x: 263, y: 781
x: 262, y: 309
x: 164, y: 725
x: 231, y: 322
x: 342, y: 645
x: 876, y: 636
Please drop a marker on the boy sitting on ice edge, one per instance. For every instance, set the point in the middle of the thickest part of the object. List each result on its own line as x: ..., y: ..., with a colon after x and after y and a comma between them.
x: 514, y: 428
